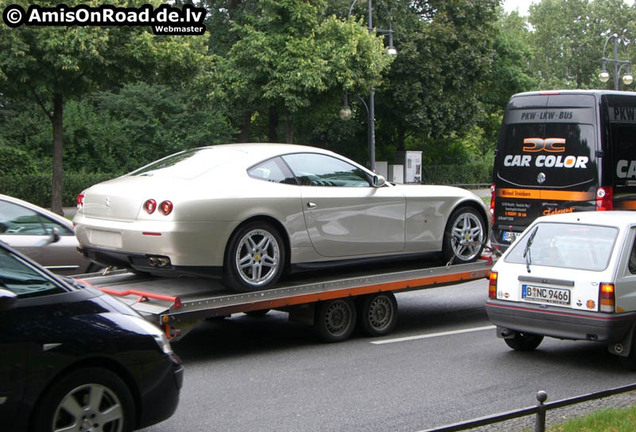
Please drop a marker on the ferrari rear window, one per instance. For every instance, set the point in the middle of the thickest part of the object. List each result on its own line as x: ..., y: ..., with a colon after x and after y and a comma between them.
x: 573, y: 246
x: 189, y: 164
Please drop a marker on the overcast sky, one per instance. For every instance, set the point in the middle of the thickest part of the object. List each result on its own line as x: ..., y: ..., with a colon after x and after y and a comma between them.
x: 522, y: 5
x: 519, y: 5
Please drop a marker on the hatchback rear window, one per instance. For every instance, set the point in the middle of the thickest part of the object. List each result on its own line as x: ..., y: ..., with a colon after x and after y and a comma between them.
x: 574, y: 246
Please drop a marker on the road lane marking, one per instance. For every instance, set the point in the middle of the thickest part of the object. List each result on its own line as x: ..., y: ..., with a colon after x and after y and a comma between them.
x: 434, y: 335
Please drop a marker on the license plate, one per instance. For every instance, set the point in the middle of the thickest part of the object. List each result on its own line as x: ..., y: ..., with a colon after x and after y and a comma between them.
x: 545, y: 294
x: 510, y: 236
x: 105, y: 238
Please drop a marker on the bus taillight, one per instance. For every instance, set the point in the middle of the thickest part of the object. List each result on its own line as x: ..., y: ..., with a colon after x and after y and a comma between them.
x: 493, y: 190
x: 605, y: 198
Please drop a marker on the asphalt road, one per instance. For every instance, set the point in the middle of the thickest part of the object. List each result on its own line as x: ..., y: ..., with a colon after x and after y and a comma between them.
x: 443, y: 364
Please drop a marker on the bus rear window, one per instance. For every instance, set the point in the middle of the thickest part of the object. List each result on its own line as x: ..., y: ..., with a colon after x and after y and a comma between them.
x: 547, y: 154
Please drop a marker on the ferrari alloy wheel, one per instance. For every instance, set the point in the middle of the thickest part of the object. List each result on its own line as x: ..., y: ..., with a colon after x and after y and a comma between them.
x: 464, y: 236
x: 256, y: 257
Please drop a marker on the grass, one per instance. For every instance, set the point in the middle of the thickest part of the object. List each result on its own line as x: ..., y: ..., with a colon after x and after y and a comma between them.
x: 603, y: 420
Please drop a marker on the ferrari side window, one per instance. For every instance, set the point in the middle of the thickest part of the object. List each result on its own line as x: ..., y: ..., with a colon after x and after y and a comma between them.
x: 273, y: 170
x: 324, y: 170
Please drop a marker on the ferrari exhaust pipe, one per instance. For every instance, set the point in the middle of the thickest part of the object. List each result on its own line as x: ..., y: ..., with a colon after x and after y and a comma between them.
x: 159, y: 261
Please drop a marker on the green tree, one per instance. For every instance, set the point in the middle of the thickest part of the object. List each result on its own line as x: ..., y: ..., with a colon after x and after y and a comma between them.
x: 288, y: 54
x: 568, y: 39
x: 437, y: 80
x: 115, y: 132
x: 511, y: 71
x: 53, y: 65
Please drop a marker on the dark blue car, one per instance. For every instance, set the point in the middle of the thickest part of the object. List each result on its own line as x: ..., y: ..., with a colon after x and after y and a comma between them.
x: 73, y: 358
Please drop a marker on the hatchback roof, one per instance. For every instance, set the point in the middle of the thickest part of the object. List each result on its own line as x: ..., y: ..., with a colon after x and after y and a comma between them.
x: 619, y: 218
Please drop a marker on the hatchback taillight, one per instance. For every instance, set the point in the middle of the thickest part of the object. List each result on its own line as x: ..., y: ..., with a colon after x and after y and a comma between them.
x: 605, y: 199
x: 492, y: 285
x: 607, y: 297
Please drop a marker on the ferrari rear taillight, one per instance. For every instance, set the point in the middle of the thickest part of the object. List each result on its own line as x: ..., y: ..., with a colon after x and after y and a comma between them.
x: 604, y: 199
x: 166, y: 207
x: 80, y: 200
x: 150, y: 206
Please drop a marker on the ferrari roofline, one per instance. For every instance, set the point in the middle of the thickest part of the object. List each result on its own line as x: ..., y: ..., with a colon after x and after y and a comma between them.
x: 256, y: 152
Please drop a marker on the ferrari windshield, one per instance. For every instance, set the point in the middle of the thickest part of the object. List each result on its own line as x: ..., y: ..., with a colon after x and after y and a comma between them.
x: 188, y: 164
x: 575, y: 246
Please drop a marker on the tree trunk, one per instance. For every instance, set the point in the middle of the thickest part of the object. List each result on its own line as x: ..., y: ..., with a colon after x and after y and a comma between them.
x: 289, y: 129
x: 401, y: 138
x: 58, y: 140
x: 272, y: 132
x: 244, y: 135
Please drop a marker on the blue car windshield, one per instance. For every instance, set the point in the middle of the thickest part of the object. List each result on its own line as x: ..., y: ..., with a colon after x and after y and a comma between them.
x: 24, y: 280
x: 189, y: 164
x: 565, y: 245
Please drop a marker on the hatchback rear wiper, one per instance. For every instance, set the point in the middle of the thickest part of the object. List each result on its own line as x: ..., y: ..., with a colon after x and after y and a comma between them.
x: 526, y: 253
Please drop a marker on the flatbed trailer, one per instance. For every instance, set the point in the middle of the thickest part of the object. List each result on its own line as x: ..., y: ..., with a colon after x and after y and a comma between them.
x: 333, y: 305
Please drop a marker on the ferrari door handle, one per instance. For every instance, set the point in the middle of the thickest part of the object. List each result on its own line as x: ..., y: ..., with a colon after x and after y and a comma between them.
x: 311, y: 205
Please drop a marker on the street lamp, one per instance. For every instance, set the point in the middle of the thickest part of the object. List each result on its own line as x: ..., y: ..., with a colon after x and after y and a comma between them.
x: 604, y: 76
x: 345, y: 111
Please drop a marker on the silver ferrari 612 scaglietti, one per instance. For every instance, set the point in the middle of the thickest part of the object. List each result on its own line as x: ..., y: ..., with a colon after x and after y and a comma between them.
x: 249, y: 212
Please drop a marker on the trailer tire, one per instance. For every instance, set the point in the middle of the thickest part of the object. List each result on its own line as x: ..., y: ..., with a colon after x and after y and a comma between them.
x: 255, y: 257
x: 377, y: 314
x: 335, y: 320
x: 464, y: 236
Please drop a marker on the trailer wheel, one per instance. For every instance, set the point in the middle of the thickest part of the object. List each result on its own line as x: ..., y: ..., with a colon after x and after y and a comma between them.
x: 377, y: 314
x: 93, y: 397
x: 524, y: 341
x: 255, y: 257
x: 335, y: 319
x: 464, y: 236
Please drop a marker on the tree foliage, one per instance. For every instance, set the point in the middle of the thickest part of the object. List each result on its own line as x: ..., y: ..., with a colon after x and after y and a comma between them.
x: 568, y: 39
x: 287, y: 54
x: 53, y: 65
x: 277, y: 70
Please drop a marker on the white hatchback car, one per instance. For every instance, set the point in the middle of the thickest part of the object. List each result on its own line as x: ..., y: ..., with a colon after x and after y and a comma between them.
x: 569, y: 276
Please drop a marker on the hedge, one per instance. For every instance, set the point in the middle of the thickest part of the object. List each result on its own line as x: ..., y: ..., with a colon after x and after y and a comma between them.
x: 37, y: 188
x: 469, y: 174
